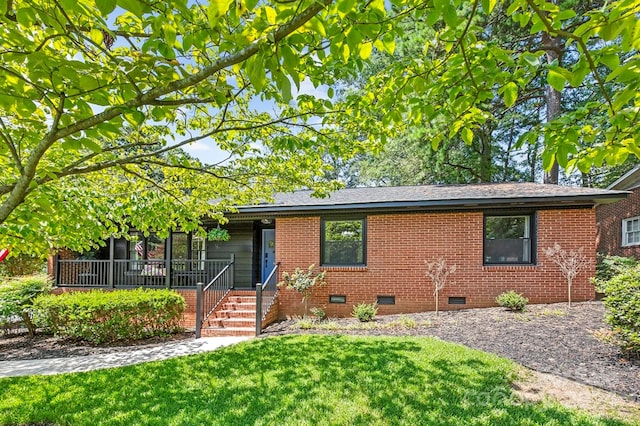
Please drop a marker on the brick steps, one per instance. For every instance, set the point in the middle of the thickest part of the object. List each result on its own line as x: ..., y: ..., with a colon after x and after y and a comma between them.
x: 236, y: 331
x: 235, y: 313
x: 235, y: 316
x: 240, y: 306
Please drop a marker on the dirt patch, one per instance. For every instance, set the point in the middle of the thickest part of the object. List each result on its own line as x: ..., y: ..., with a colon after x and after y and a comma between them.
x: 533, y: 386
x: 550, y: 338
x: 21, y: 346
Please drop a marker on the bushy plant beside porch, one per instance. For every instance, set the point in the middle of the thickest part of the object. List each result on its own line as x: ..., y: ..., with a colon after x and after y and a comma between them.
x: 107, y: 316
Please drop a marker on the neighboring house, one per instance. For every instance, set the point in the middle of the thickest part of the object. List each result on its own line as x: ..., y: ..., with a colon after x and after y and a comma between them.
x: 618, y: 224
x: 373, y: 243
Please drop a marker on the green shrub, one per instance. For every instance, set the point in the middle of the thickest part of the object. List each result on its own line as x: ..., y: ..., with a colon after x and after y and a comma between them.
x: 365, y: 311
x: 512, y: 300
x: 610, y: 266
x: 623, y: 303
x: 22, y: 264
x: 107, y: 316
x: 319, y: 313
x: 16, y: 297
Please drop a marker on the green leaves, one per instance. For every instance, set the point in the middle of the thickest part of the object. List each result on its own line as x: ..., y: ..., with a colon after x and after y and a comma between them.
x: 106, y: 6
x: 510, y: 94
x: 137, y: 7
x: 145, y: 77
x: 488, y: 5
x: 255, y: 68
x: 556, y: 79
x: 217, y: 9
x: 467, y: 135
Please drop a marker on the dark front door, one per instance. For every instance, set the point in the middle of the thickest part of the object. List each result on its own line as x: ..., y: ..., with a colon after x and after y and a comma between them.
x: 268, y: 252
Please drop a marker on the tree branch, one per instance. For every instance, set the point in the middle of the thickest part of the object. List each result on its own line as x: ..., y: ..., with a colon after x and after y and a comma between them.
x: 12, y: 147
x: 21, y: 187
x: 570, y: 36
x: 153, y: 183
x: 193, y: 79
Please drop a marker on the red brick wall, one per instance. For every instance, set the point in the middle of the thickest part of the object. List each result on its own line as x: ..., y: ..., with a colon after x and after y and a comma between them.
x: 69, y: 274
x: 398, y: 245
x: 272, y: 315
x: 609, y: 225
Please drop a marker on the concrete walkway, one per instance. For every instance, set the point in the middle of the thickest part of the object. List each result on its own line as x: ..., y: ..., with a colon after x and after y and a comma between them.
x: 115, y: 359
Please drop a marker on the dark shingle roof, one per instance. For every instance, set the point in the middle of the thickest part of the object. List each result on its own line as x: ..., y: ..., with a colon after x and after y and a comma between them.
x: 437, y: 197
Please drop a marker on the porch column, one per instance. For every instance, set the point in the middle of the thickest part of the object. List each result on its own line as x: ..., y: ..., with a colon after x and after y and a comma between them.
x: 112, y: 251
x: 167, y: 261
x: 258, y: 309
x: 232, y: 271
x: 56, y: 269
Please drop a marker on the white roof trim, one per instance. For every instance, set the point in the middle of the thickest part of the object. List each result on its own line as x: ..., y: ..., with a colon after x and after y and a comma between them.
x: 624, y: 177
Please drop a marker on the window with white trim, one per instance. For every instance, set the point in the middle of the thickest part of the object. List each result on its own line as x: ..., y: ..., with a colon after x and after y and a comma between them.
x: 631, y: 231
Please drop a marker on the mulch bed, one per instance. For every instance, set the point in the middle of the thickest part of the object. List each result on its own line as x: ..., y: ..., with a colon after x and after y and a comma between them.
x: 547, y: 338
x: 20, y: 346
x: 569, y: 342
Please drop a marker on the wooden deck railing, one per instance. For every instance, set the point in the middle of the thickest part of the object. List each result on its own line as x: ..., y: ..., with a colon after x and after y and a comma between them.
x: 150, y: 273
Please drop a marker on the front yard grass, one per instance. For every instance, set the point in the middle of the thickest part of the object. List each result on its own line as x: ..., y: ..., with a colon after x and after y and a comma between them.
x: 301, y: 380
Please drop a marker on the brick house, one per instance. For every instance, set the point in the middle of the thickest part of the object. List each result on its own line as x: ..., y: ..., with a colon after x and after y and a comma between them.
x: 618, y: 224
x: 373, y: 243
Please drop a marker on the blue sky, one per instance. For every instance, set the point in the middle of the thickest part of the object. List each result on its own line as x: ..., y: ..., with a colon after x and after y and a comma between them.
x: 209, y: 152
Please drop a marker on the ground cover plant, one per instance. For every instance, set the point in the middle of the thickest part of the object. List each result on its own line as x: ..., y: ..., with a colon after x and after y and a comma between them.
x: 365, y: 312
x: 291, y: 380
x: 512, y: 300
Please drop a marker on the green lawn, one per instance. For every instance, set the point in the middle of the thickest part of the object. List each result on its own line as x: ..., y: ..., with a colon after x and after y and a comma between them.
x: 290, y: 380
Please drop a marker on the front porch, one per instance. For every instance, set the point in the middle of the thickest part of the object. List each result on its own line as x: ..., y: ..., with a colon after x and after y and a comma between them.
x: 211, y: 275
x: 149, y: 273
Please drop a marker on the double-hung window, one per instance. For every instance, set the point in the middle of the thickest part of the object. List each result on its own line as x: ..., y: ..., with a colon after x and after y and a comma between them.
x: 342, y: 242
x: 509, y: 239
x: 631, y: 231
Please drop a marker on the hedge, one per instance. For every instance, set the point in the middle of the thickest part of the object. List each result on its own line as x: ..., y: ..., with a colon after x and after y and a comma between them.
x: 16, y: 296
x: 610, y: 266
x: 107, y: 316
x: 623, y: 303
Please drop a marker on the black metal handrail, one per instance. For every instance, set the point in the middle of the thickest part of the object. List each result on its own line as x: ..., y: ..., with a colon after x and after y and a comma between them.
x: 209, y: 297
x: 266, y: 293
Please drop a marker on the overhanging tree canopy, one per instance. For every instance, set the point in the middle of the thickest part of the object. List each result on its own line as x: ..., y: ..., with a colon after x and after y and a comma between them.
x: 96, y: 93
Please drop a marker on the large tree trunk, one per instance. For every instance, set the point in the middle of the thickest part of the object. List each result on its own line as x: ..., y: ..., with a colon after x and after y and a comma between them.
x: 486, y: 160
x: 554, y: 49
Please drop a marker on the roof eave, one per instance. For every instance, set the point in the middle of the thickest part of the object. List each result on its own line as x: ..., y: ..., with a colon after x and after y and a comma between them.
x: 462, y: 204
x: 620, y: 182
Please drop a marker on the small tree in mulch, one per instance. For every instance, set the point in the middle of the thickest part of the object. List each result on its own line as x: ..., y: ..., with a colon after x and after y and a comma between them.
x: 569, y: 262
x: 437, y: 272
x: 303, y: 282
